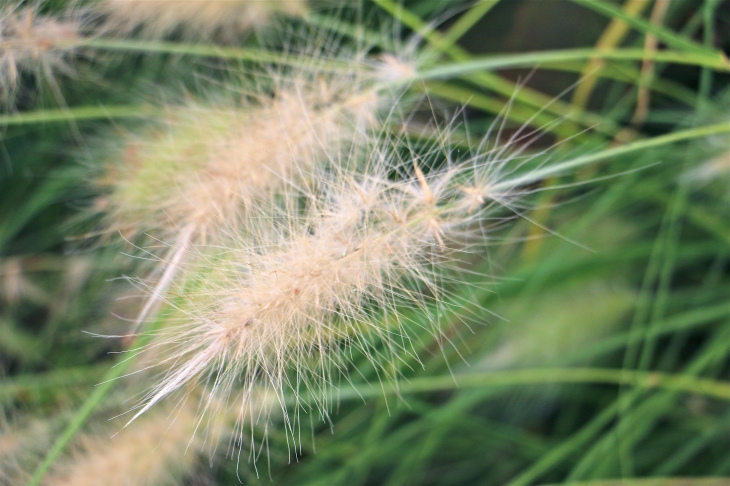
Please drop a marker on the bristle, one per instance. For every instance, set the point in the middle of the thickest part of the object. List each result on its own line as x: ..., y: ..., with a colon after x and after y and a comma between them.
x: 194, y: 18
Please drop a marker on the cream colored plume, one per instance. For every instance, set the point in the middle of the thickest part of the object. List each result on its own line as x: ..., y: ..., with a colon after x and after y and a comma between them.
x: 286, y: 302
x: 205, y: 167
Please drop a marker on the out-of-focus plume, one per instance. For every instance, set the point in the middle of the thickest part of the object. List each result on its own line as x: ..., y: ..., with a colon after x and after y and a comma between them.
x: 194, y: 18
x: 33, y: 43
x: 160, y: 451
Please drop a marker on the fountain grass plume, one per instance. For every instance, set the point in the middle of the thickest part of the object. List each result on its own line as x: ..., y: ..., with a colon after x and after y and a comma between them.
x: 33, y: 43
x: 302, y: 226
x: 211, y: 158
x: 286, y: 303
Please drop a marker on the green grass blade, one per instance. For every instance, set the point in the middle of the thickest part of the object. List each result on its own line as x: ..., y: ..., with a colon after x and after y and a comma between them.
x: 238, y: 53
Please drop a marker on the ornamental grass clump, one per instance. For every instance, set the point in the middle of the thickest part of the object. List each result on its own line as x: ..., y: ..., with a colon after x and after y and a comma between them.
x: 298, y: 227
x: 320, y: 250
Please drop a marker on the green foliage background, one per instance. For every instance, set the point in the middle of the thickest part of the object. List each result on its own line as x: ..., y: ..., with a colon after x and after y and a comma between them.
x: 605, y: 350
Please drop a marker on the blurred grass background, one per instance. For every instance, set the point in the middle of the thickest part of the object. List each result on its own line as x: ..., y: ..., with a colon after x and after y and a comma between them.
x: 604, y: 360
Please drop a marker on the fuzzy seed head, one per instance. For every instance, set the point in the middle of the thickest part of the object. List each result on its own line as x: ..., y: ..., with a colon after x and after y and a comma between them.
x: 32, y: 42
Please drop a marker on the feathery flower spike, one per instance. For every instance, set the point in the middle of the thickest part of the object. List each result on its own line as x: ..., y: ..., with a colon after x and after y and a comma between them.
x: 286, y: 303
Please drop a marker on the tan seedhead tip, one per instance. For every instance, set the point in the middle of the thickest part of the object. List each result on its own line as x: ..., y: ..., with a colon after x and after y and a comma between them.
x: 393, y: 69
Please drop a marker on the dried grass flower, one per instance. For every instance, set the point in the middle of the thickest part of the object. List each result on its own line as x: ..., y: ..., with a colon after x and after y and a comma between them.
x: 206, y: 165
